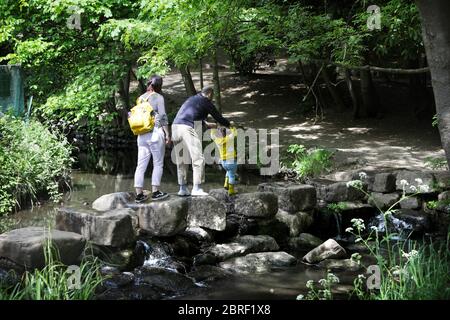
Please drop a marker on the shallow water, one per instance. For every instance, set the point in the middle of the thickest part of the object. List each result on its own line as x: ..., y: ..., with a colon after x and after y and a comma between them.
x: 285, y: 283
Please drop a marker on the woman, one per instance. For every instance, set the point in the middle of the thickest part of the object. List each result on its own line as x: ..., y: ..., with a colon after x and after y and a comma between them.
x: 152, y: 144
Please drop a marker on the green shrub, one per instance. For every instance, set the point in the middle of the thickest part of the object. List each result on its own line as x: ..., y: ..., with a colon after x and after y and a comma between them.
x: 33, y: 162
x: 308, y: 163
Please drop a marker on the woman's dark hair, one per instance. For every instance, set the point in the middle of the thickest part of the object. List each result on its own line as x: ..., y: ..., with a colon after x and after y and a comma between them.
x: 155, y: 83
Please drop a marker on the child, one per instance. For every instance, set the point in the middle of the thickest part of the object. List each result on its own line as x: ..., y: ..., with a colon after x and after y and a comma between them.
x: 225, y: 141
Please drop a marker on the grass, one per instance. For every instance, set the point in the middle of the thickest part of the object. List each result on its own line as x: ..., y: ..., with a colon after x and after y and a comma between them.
x: 408, y: 270
x: 56, y: 281
x: 34, y: 162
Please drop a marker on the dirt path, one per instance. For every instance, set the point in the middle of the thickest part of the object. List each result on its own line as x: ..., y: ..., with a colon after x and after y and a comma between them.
x: 273, y: 100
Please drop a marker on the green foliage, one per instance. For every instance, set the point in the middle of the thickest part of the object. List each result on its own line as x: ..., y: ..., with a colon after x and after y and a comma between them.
x: 409, y: 270
x: 34, y: 162
x: 309, y: 163
x: 400, y: 36
x: 309, y: 35
x: 436, y: 163
x: 53, y: 282
x: 337, y: 207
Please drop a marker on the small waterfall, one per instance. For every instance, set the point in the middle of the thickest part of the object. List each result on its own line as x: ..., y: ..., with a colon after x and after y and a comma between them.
x: 338, y: 219
x: 159, y: 255
x: 401, y: 228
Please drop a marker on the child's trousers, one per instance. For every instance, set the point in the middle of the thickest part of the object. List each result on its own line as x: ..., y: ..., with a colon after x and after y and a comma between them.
x: 231, y: 167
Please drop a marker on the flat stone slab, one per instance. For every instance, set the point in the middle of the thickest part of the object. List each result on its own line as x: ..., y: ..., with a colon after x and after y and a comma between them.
x: 244, y: 245
x: 163, y: 218
x: 383, y: 200
x: 206, y: 212
x: 411, y: 176
x: 26, y: 246
x: 296, y: 222
x: 257, y: 204
x: 110, y: 228
x: 384, y: 182
x: 292, y: 197
x: 341, y: 191
x: 261, y: 262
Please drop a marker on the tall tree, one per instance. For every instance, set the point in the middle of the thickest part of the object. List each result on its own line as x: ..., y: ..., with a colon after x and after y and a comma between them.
x: 436, y: 36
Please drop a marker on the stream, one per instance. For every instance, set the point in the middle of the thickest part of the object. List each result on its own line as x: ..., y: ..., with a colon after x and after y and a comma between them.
x: 113, y: 175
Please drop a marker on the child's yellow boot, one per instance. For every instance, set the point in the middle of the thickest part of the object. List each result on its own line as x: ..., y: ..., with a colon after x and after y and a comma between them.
x: 231, y: 190
x: 226, y: 184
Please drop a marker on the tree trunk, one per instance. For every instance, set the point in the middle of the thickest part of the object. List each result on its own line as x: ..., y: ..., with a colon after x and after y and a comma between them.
x: 187, y: 80
x: 216, y: 81
x: 436, y: 37
x: 351, y: 90
x: 368, y: 95
x: 201, y: 74
x: 333, y: 91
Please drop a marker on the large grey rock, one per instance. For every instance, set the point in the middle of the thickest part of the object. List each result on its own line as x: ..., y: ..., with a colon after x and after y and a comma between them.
x: 383, y: 200
x: 163, y: 218
x: 411, y: 203
x: 243, y: 245
x: 330, y: 249
x: 219, y: 194
x: 444, y: 196
x: 112, y: 201
x: 292, y: 197
x: 26, y: 246
x: 207, y: 273
x: 411, y: 176
x: 258, y: 204
x: 384, y: 183
x: 296, y: 222
x: 111, y: 228
x: 304, y: 241
x: 259, y: 262
x: 206, y: 212
x: 341, y: 191
x: 199, y: 234
x: 442, y: 179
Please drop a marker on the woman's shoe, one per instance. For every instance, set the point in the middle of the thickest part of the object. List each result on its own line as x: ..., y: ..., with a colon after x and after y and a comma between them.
x: 141, y: 198
x: 158, y: 195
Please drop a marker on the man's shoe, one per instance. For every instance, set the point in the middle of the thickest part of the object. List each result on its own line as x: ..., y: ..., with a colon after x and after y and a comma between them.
x: 184, y: 193
x: 199, y: 192
x: 158, y: 195
x: 141, y: 198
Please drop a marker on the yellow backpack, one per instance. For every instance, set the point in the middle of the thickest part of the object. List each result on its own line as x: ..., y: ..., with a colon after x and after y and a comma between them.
x: 141, y: 117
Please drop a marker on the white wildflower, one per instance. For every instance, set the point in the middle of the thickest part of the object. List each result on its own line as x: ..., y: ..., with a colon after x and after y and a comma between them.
x: 424, y: 188
x: 310, y: 284
x: 413, y: 188
x: 355, y: 184
x: 362, y: 175
x: 300, y: 297
x: 374, y: 228
x: 332, y: 278
x: 404, y: 182
x: 349, y: 230
x: 409, y: 255
x: 419, y: 181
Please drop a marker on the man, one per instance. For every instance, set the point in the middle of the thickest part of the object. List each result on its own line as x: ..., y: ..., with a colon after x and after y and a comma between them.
x: 184, y: 136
